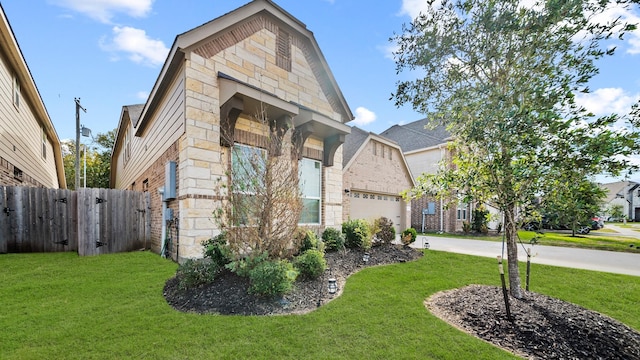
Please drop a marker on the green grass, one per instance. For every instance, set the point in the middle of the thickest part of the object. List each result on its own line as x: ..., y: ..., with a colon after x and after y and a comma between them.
x: 59, y: 305
x: 603, y: 240
x: 591, y: 241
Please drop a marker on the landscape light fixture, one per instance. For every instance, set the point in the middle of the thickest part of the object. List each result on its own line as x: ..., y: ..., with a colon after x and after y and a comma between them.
x: 333, y: 286
x: 425, y: 243
x: 365, y: 257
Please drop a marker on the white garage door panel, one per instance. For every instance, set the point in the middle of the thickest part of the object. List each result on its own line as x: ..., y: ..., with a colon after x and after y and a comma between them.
x: 372, y: 206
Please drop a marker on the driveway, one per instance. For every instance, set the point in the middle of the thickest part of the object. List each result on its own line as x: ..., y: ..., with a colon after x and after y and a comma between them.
x: 606, y: 261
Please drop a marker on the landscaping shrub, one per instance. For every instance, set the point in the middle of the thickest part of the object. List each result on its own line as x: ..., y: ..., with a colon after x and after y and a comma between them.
x: 311, y: 264
x: 217, y: 250
x: 480, y: 220
x: 195, y: 272
x: 242, y: 267
x: 357, y: 234
x: 307, y: 239
x: 409, y: 236
x: 385, y: 233
x: 333, y: 239
x: 272, y: 278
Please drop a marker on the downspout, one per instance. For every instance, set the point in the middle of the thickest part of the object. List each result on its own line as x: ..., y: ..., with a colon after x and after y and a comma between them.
x: 163, y: 249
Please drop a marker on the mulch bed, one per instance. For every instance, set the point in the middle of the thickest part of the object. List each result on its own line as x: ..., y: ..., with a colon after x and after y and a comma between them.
x: 542, y: 327
x: 228, y: 293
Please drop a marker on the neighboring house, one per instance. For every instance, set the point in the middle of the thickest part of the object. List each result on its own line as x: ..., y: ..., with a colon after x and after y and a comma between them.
x: 30, y: 153
x: 424, y: 149
x: 626, y: 194
x: 217, y: 77
x: 375, y: 172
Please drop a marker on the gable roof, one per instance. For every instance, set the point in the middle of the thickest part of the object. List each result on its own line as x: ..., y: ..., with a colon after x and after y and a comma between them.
x: 356, y: 141
x: 207, y: 37
x: 352, y: 143
x: 11, y: 50
x: 416, y: 135
x: 619, y: 189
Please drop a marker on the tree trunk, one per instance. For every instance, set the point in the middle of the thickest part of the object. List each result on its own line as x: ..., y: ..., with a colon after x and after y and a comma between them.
x: 511, y: 233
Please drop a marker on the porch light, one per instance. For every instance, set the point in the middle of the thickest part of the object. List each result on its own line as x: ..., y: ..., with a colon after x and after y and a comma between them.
x: 365, y: 257
x: 333, y: 286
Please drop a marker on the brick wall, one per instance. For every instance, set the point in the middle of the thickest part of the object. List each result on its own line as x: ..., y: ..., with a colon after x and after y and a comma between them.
x: 450, y: 223
x: 8, y: 178
x: 151, y: 180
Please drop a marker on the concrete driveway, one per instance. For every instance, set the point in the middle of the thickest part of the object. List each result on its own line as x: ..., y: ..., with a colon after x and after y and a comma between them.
x: 606, y: 261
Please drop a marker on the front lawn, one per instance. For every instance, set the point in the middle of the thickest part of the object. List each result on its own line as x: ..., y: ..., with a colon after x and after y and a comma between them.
x: 601, y: 240
x: 60, y: 305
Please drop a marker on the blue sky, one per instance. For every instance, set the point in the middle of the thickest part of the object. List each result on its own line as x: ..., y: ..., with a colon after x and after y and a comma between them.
x: 109, y: 53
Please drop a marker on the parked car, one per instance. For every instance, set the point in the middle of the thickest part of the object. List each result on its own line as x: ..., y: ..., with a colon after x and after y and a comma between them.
x: 545, y: 223
x: 597, y: 223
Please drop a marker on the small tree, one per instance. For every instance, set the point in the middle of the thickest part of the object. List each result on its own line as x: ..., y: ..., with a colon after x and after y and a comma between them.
x: 263, y: 203
x: 502, y: 76
x: 616, y: 211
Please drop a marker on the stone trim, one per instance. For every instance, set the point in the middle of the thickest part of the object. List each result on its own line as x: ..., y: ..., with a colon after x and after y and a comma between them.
x: 203, y: 197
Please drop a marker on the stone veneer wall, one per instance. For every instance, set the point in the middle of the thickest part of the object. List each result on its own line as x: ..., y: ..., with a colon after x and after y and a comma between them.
x: 7, y: 177
x: 203, y: 161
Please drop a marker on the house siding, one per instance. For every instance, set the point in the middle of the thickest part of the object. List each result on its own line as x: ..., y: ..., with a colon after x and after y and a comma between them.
x: 21, y: 136
x: 165, y: 128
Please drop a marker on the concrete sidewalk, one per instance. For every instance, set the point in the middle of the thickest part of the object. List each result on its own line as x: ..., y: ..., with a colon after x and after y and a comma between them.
x: 606, y: 261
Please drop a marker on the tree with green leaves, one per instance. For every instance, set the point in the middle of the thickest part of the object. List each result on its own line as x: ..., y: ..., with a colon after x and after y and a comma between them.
x: 503, y: 78
x: 573, y: 201
x: 98, y: 158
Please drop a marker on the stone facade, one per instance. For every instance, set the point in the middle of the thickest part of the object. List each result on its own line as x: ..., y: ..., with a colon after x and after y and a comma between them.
x: 378, y: 167
x: 223, y: 74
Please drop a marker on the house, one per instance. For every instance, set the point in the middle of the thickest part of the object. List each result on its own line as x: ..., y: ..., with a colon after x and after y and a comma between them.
x: 30, y: 153
x: 257, y: 59
x: 375, y: 173
x: 424, y: 148
x: 625, y: 194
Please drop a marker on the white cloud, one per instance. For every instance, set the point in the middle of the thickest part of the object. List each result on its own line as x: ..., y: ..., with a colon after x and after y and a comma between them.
x: 104, y: 10
x: 142, y: 95
x: 364, y: 116
x: 139, y: 47
x: 413, y: 8
x: 606, y: 101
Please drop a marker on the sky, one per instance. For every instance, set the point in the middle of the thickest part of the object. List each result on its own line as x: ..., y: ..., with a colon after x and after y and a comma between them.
x: 109, y: 53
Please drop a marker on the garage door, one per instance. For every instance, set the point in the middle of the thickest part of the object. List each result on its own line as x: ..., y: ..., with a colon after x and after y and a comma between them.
x: 371, y: 206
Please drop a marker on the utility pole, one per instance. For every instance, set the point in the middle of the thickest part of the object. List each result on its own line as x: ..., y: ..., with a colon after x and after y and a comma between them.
x: 77, y: 162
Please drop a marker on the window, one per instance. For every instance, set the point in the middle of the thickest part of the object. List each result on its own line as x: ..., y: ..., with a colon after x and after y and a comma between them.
x: 430, y: 209
x: 44, y: 143
x: 311, y: 190
x: 462, y: 211
x: 247, y: 167
x: 283, y: 50
x: 17, y: 174
x: 16, y: 91
x: 127, y: 145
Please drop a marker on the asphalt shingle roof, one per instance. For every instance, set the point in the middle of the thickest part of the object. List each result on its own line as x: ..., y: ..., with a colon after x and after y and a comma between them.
x: 416, y: 135
x: 352, y: 143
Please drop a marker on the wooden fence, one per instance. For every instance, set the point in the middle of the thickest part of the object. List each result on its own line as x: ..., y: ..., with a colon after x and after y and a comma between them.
x: 89, y: 221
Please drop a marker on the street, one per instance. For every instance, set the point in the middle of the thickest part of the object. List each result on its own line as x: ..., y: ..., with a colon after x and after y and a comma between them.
x: 606, y: 261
